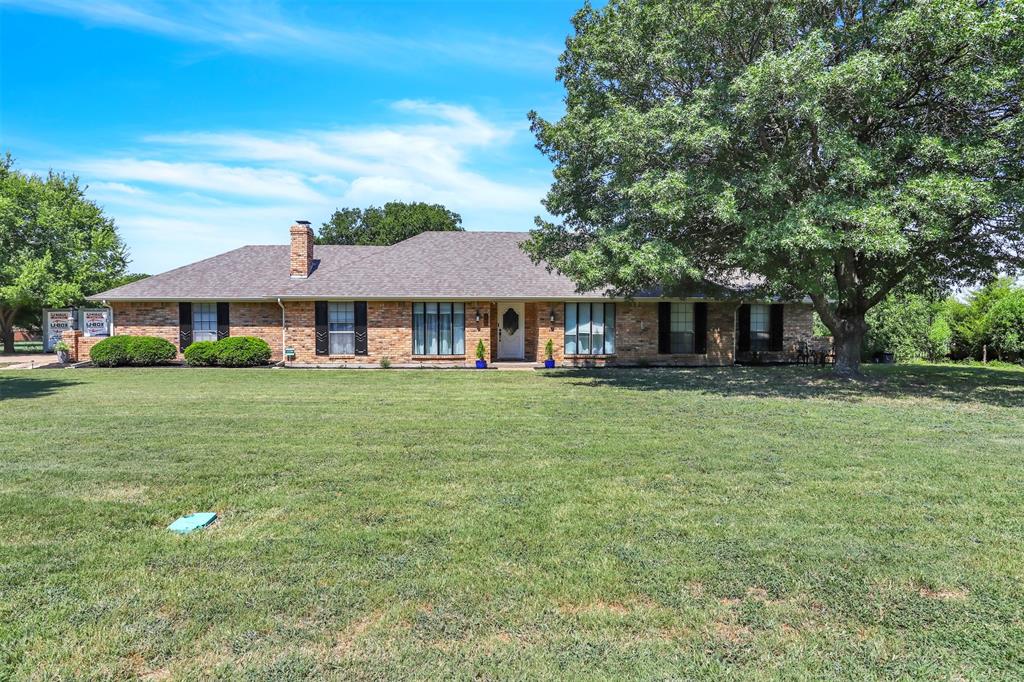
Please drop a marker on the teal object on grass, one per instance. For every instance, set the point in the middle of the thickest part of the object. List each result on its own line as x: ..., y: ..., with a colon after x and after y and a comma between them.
x: 187, y: 524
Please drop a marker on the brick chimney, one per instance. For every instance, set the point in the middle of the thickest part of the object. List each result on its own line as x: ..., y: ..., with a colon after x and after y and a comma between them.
x: 301, y: 256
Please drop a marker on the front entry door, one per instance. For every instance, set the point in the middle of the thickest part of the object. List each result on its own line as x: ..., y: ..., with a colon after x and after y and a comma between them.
x: 510, y: 331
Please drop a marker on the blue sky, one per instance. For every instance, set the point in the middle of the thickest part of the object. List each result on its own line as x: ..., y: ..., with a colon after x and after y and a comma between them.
x: 203, y: 126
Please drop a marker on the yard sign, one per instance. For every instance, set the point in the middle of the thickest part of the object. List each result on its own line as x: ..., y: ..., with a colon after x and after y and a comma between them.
x: 96, y: 322
x: 57, y: 322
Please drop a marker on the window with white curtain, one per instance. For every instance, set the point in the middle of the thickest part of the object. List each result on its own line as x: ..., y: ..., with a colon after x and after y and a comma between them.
x: 204, y: 321
x: 438, y: 328
x: 760, y: 333
x: 341, y: 325
x: 589, y: 328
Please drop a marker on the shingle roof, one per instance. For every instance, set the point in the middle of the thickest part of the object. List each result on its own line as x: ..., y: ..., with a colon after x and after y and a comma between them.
x: 461, y: 265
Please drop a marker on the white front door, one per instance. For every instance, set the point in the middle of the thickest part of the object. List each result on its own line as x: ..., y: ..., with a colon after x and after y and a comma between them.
x: 510, y: 331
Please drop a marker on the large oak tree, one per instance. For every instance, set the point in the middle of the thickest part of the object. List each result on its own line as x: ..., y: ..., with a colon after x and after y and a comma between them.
x: 56, y: 247
x: 836, y: 149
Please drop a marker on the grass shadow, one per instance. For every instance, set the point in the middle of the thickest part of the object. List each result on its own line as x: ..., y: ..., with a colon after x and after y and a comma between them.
x: 959, y: 384
x: 12, y: 388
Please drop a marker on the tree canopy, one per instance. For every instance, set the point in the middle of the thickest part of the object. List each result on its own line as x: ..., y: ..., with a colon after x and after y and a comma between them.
x: 393, y: 223
x: 836, y: 149
x: 56, y: 246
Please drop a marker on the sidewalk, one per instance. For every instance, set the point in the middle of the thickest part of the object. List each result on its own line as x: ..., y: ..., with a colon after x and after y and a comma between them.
x: 27, y: 360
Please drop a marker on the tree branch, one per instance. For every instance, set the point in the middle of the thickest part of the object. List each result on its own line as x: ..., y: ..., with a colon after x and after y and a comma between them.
x: 828, y: 318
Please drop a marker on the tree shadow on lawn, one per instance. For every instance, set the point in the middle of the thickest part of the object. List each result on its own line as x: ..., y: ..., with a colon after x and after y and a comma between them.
x: 960, y: 384
x: 30, y: 387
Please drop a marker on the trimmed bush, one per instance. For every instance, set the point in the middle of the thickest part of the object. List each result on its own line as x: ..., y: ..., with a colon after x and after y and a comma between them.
x: 150, y: 350
x: 242, y: 351
x: 111, y: 352
x: 118, y: 351
x: 201, y: 354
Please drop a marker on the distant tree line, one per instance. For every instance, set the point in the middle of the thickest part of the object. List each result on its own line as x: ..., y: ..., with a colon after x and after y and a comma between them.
x: 383, y: 226
x: 986, y: 324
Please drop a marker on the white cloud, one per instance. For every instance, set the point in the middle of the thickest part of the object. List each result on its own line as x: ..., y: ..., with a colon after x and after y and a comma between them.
x: 206, y: 191
x: 264, y: 28
x: 207, y: 177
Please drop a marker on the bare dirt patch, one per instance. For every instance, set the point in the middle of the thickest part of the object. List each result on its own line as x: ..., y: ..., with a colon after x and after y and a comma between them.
x: 732, y: 632
x: 943, y: 595
x: 634, y: 605
x: 596, y: 607
x: 346, y: 641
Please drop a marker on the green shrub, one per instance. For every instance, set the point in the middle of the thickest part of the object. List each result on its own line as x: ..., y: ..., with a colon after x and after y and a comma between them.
x: 242, y: 351
x: 385, y: 362
x: 201, y: 354
x: 118, y: 351
x: 110, y: 352
x: 150, y: 350
x: 1005, y: 325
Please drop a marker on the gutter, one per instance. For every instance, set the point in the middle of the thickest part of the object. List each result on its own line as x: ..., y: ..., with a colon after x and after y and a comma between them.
x: 284, y: 333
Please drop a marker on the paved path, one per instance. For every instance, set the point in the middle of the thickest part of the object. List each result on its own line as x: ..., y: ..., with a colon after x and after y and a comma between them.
x: 27, y: 360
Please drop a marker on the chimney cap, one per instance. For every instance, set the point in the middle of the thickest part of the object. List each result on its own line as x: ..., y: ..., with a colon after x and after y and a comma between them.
x: 302, y: 222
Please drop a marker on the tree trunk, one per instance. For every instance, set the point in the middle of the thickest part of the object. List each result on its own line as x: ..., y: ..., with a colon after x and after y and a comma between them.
x: 7, y: 331
x: 849, y: 340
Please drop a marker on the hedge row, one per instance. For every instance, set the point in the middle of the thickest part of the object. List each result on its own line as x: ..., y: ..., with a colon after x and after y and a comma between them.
x: 234, y: 351
x: 131, y: 350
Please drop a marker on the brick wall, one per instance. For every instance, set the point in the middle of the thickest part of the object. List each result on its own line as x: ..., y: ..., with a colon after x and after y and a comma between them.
x: 797, y: 326
x: 262, y: 320
x: 636, y: 336
x: 389, y: 325
x: 390, y: 331
x: 79, y: 345
x: 147, y: 319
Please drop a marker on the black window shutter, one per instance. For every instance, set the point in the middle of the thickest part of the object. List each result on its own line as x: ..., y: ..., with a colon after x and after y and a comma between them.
x: 700, y: 328
x: 360, y: 314
x: 743, y: 328
x: 664, y: 327
x: 775, y: 327
x: 184, y: 325
x: 320, y: 321
x: 223, y: 321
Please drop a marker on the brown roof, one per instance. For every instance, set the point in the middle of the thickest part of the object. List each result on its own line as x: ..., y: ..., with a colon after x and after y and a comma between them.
x: 460, y: 265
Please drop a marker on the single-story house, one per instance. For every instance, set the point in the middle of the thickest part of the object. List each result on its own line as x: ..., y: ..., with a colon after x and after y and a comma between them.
x: 428, y: 301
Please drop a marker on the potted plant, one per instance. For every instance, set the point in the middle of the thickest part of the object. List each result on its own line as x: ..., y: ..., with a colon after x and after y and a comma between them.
x: 63, y: 352
x: 549, y: 354
x: 480, y: 352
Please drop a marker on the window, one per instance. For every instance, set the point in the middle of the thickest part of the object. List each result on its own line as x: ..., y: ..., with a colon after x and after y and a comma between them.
x: 341, y: 326
x: 589, y: 328
x: 682, y: 328
x: 759, y: 326
x: 438, y: 329
x: 204, y: 321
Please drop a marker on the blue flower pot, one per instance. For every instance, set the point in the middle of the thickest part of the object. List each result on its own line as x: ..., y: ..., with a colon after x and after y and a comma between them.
x: 549, y: 363
x: 481, y: 364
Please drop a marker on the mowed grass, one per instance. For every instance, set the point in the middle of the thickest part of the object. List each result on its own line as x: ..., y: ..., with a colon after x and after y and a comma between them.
x: 758, y: 523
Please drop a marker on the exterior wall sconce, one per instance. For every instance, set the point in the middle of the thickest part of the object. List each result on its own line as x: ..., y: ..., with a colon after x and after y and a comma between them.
x: 478, y: 319
x: 552, y: 318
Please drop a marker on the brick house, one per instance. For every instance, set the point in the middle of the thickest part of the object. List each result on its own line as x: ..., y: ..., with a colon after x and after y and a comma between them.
x: 428, y: 300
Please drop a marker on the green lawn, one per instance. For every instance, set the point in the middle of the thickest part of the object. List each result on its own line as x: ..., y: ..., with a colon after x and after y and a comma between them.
x: 759, y: 522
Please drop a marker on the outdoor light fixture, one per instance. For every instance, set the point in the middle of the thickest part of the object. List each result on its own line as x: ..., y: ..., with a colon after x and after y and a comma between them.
x: 552, y: 318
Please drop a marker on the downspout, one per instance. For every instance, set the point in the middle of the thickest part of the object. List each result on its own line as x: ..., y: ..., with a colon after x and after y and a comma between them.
x: 284, y: 336
x: 107, y: 306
